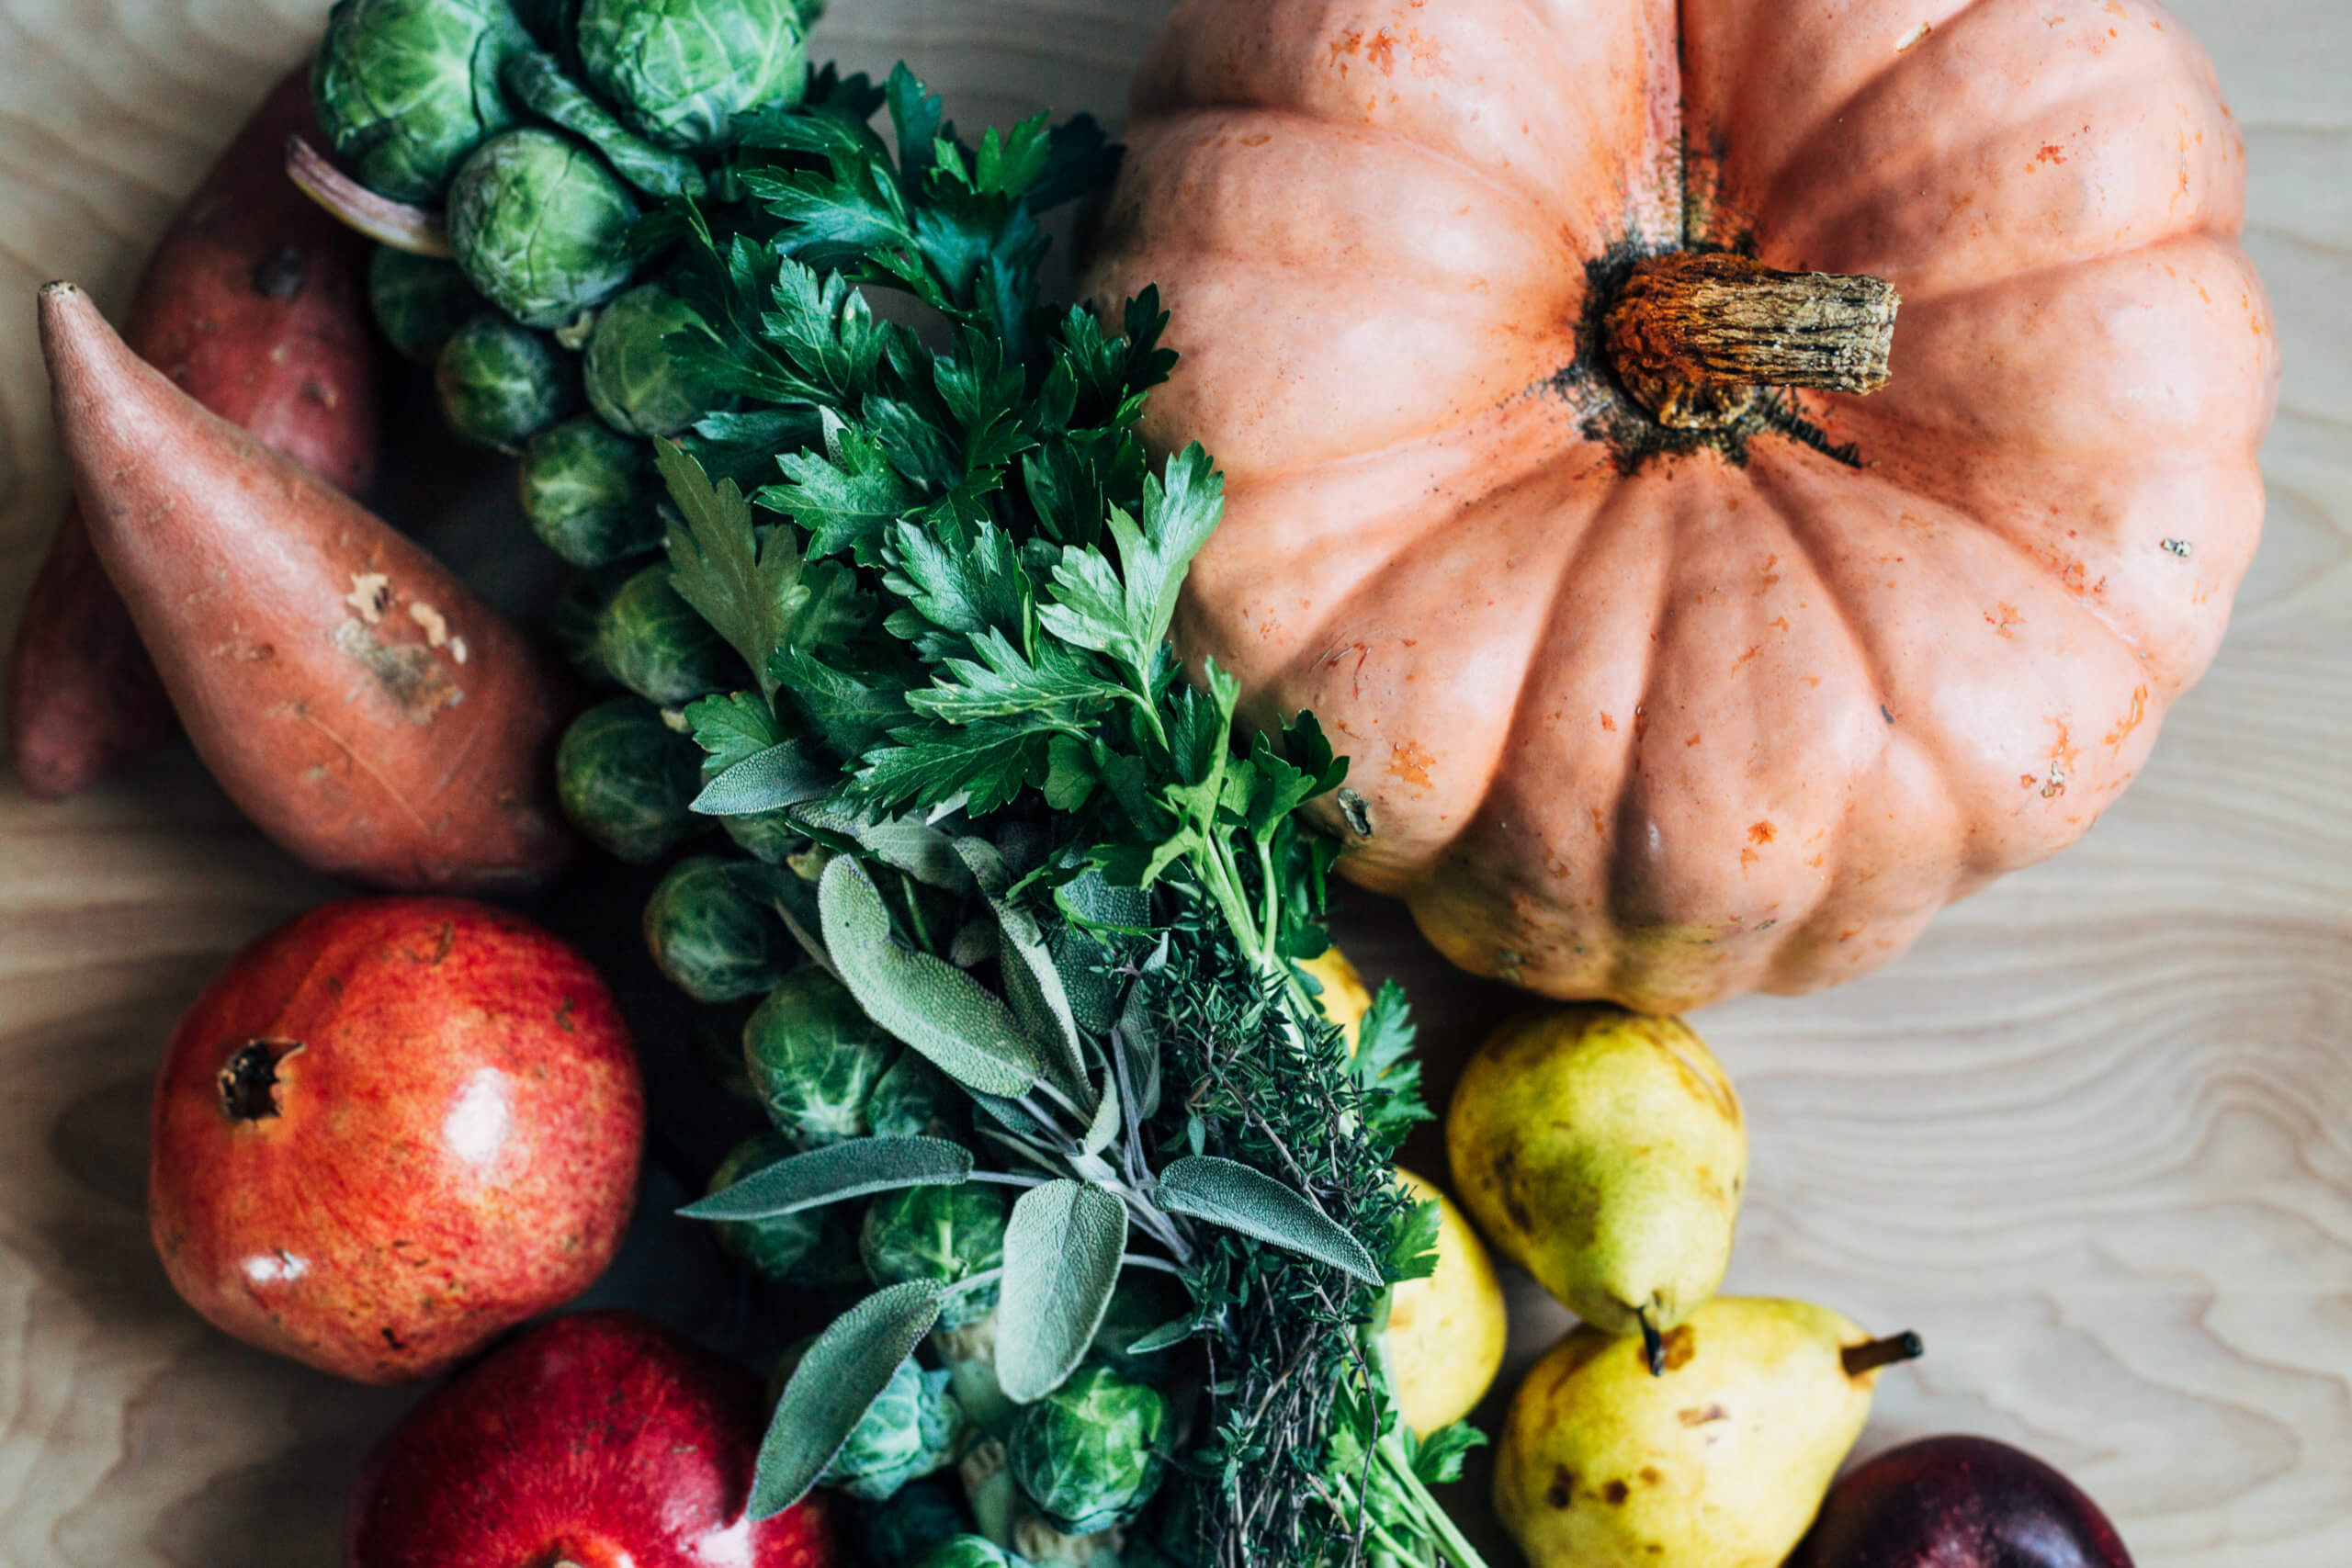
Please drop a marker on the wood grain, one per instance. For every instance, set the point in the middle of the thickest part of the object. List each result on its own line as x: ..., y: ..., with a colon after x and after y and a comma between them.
x: 2093, y: 1138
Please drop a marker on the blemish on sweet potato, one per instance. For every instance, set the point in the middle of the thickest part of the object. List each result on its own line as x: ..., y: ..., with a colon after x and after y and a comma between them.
x: 408, y: 674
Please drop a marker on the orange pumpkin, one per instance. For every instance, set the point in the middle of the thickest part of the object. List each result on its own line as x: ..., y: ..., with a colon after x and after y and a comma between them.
x: 1665, y: 698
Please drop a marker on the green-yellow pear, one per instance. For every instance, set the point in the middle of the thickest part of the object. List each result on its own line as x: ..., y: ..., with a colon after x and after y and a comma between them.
x: 1721, y: 1461
x: 1603, y: 1152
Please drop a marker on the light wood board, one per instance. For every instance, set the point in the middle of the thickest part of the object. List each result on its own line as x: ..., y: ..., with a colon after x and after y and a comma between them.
x: 2093, y: 1138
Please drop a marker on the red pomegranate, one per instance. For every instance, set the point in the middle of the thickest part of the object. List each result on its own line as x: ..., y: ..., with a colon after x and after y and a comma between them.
x: 597, y: 1440
x: 390, y: 1129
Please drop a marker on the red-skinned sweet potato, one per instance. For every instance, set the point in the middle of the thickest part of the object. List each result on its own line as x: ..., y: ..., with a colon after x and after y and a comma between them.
x: 254, y: 303
x: 361, y: 705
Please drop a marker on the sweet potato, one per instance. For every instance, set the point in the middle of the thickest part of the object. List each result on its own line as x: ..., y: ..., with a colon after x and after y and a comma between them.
x: 254, y: 302
x: 363, y: 708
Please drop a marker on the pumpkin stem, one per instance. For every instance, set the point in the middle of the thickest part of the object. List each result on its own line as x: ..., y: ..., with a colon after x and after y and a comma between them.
x: 1696, y: 335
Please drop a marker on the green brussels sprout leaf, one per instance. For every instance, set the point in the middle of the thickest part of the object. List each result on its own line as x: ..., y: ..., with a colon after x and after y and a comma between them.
x: 851, y: 1169
x: 841, y: 1375
x: 1061, y: 1263
x: 536, y: 78
x: 1227, y: 1193
x: 925, y: 1002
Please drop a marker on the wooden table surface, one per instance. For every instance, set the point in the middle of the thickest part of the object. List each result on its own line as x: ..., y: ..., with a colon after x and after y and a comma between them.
x: 2093, y: 1138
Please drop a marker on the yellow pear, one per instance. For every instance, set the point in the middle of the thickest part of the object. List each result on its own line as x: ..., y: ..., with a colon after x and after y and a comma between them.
x: 1603, y: 1152
x: 1446, y: 1332
x: 1721, y: 1461
x: 1344, y: 999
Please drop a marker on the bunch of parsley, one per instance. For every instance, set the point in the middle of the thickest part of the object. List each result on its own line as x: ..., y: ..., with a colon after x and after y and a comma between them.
x: 953, y: 578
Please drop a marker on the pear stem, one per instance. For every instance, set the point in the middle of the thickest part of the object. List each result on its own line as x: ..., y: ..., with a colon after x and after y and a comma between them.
x: 1653, y: 1343
x: 1862, y: 1359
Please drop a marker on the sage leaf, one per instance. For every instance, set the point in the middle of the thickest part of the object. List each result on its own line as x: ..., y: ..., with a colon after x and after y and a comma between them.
x: 922, y: 853
x: 1106, y: 1125
x: 781, y: 775
x: 928, y: 1003
x: 848, y: 1170
x: 1031, y: 976
x: 843, y: 1372
x: 1175, y: 1331
x: 1061, y: 1260
x: 1227, y: 1193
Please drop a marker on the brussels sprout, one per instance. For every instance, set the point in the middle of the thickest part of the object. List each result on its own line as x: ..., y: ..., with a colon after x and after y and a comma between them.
x: 771, y: 835
x: 815, y: 1058
x: 832, y: 1263
x: 971, y: 1551
x: 578, y: 612
x: 499, y: 384
x: 913, y: 1100
x: 937, y: 1232
x: 540, y: 225
x: 718, y: 1051
x: 711, y: 940
x: 418, y: 303
x: 637, y: 385
x: 772, y: 1246
x: 680, y: 71
x: 652, y: 642
x: 1086, y: 1455
x: 586, y: 490
x: 907, y: 1432
x: 625, y: 778
x: 406, y: 88
x: 922, y: 1515
x: 1143, y: 1301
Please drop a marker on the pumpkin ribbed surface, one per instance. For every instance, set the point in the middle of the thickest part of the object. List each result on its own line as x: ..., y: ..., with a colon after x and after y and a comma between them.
x: 1668, y: 715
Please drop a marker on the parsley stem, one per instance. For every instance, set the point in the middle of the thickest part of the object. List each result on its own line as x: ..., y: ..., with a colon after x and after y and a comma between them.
x: 1433, y: 1518
x: 1270, y: 896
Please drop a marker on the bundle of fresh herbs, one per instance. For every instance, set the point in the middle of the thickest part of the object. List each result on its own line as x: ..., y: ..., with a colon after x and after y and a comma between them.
x: 1122, y: 1180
